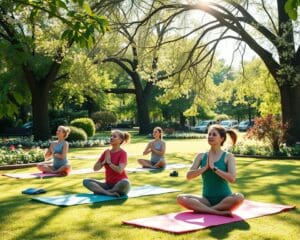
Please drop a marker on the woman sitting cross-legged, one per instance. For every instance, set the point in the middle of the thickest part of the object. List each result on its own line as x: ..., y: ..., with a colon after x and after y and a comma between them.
x: 157, y: 148
x: 57, y: 151
x: 217, y: 168
x: 114, y: 161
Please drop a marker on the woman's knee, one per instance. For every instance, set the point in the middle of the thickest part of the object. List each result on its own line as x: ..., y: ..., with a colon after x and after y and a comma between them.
x: 140, y: 161
x: 181, y: 198
x: 123, y: 186
x: 86, y: 182
x: 239, y: 197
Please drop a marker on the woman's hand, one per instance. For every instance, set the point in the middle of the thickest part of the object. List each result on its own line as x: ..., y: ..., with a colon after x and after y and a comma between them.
x: 107, y: 158
x: 210, y: 164
x: 148, y: 148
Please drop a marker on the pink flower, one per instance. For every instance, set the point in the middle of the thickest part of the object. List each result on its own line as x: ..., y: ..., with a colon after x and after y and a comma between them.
x: 12, y: 147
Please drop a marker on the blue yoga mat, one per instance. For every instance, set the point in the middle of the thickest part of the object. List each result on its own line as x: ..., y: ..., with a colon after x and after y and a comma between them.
x: 83, y: 198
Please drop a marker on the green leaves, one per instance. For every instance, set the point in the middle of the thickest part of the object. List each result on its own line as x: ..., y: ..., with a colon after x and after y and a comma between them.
x: 81, y: 24
x: 291, y: 7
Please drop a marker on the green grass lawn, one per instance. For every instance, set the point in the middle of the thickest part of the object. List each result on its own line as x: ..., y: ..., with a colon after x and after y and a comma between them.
x: 275, y: 181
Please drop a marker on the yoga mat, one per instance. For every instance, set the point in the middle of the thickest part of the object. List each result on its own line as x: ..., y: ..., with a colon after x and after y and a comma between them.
x: 189, y: 221
x: 168, y: 167
x: 83, y: 198
x: 45, y: 175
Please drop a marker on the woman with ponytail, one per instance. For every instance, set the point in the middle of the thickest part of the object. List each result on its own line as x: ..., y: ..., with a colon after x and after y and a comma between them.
x: 157, y: 148
x: 217, y: 169
x: 114, y: 161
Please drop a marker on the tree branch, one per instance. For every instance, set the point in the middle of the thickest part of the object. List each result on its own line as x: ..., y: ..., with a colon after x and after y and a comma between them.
x: 120, y: 90
x: 118, y: 62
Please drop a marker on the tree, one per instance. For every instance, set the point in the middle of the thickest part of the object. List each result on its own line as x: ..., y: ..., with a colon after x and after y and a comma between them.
x: 84, y: 84
x: 271, y: 36
x: 252, y: 91
x: 149, y: 53
x: 23, y: 28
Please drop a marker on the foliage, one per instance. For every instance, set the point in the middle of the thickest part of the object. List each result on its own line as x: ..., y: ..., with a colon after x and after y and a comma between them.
x: 11, y: 155
x: 104, y: 119
x: 169, y: 134
x: 80, y: 20
x: 54, y: 123
x: 251, y: 148
x: 242, y: 92
x: 87, y: 124
x: 35, y: 37
x: 85, y: 82
x: 291, y: 7
x: 270, y: 129
x: 77, y: 134
x: 27, y: 143
x: 221, y: 117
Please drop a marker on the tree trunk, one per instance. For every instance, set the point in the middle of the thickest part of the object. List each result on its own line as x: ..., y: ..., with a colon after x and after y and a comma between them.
x: 290, y: 102
x: 40, y: 117
x: 143, y: 113
x: 182, y: 120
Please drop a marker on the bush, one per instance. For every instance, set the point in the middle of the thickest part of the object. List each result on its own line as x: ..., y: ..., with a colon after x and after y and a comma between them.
x: 184, y: 136
x: 104, y: 120
x: 86, y: 124
x: 12, y: 155
x: 76, y: 134
x: 221, y: 117
x: 270, y: 129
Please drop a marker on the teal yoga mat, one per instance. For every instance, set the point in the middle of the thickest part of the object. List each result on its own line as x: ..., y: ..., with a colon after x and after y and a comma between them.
x: 84, y: 198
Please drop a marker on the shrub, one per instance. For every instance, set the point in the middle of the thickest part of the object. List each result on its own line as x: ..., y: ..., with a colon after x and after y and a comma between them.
x: 12, y: 155
x: 77, y: 134
x: 86, y: 124
x: 221, y: 117
x: 270, y: 129
x: 104, y: 120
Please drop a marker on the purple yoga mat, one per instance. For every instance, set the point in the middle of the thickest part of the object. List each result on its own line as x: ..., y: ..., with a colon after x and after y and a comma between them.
x: 45, y: 175
x: 189, y: 221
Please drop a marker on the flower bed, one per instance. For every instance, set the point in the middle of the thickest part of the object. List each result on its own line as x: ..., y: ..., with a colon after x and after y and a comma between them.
x: 25, y: 142
x: 250, y: 148
x: 11, y: 155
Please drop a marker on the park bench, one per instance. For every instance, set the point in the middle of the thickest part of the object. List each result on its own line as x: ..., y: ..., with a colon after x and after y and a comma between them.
x: 15, y: 132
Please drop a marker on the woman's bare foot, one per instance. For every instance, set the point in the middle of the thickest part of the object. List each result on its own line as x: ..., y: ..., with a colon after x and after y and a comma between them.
x: 112, y: 193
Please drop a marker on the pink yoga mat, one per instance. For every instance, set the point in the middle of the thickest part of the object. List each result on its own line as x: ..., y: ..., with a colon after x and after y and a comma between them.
x: 45, y: 175
x: 189, y: 221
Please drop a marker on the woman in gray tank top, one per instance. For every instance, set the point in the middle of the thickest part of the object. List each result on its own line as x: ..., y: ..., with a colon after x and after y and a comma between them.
x: 157, y: 148
x: 58, y: 152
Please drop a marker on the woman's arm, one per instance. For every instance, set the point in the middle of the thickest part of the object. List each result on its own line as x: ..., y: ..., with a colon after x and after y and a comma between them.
x: 116, y: 168
x: 195, y: 171
x: 64, y: 153
x: 160, y: 152
x: 48, y: 154
x: 148, y: 149
x: 101, y: 161
x: 231, y: 170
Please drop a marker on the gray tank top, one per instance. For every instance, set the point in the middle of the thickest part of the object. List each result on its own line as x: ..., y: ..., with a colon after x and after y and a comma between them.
x: 154, y: 157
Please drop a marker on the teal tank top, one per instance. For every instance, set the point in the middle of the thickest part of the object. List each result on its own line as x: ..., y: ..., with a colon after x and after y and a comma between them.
x: 213, y: 185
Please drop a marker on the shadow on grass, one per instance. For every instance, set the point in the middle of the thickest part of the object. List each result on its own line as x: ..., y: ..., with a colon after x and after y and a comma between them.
x: 222, y: 232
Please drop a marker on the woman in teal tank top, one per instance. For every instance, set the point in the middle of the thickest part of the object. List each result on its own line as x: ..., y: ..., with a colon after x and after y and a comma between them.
x: 217, y: 169
x: 58, y: 153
